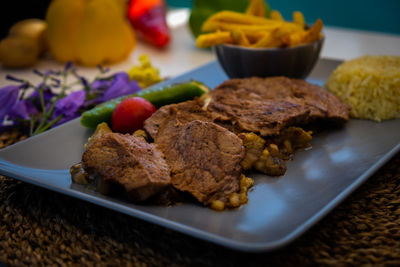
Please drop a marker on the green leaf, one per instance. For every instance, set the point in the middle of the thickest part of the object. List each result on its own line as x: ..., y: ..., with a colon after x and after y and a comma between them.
x: 202, y: 9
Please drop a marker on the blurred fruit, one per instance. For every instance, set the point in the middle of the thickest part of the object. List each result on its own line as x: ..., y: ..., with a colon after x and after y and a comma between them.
x: 89, y: 32
x: 149, y: 19
x: 18, y: 52
x: 31, y: 28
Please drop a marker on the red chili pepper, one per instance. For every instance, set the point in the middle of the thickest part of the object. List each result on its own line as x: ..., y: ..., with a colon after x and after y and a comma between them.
x: 148, y: 17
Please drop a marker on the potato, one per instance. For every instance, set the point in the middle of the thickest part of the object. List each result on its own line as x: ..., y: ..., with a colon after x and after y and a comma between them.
x: 239, y: 18
x: 253, y: 29
x: 268, y: 40
x: 240, y: 38
x: 210, y: 26
x: 298, y: 18
x: 211, y: 39
x: 31, y: 28
x: 18, y: 52
x: 276, y: 15
x: 256, y: 8
x: 298, y: 38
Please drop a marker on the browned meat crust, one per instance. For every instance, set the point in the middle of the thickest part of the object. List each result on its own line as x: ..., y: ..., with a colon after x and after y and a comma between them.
x: 250, y: 112
x: 204, y: 158
x: 260, y: 105
x: 180, y: 113
x: 271, y: 104
x: 322, y: 103
x: 128, y: 161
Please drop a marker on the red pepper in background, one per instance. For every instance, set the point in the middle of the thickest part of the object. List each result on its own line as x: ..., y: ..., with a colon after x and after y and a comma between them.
x: 148, y: 17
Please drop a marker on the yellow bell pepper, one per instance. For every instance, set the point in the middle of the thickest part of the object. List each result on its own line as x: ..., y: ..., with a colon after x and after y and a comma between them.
x: 89, y: 32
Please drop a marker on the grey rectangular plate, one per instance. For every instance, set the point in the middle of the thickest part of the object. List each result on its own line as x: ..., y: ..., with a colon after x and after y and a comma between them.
x: 279, y: 209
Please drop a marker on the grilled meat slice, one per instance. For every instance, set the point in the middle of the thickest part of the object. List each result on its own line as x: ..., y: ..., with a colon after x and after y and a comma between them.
x: 283, y: 101
x: 204, y: 158
x: 261, y: 105
x: 129, y: 161
x: 243, y: 103
x: 180, y: 113
x: 322, y: 103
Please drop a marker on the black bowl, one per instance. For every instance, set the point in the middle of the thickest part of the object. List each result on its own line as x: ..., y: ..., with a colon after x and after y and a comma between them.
x: 293, y: 62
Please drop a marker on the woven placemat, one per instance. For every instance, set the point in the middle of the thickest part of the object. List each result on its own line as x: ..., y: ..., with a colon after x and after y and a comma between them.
x: 41, y: 227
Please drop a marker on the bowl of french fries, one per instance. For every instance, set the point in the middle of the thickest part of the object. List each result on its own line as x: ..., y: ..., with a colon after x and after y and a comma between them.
x: 247, y: 45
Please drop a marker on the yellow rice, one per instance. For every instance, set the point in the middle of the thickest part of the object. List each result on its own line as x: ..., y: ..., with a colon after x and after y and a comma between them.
x: 370, y: 85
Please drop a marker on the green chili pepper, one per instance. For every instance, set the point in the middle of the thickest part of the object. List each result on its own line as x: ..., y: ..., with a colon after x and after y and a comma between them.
x: 157, y: 96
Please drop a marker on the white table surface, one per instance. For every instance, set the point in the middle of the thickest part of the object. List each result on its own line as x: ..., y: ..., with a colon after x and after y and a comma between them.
x: 182, y: 55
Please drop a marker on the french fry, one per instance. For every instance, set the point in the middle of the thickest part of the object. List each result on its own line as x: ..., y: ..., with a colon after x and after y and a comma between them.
x: 298, y: 18
x: 254, y: 30
x: 276, y: 15
x: 256, y: 8
x: 288, y: 28
x: 211, y: 39
x: 283, y: 29
x: 240, y: 38
x: 298, y: 38
x: 210, y: 26
x: 254, y: 37
x: 314, y: 32
x: 239, y: 18
x: 268, y: 40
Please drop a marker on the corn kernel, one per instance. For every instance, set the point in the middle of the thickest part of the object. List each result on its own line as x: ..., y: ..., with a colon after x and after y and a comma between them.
x: 234, y: 200
x: 218, y: 205
x: 288, y: 146
x: 243, y: 198
x: 274, y: 147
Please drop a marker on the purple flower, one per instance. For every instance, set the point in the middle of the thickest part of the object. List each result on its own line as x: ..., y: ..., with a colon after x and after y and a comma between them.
x: 68, y: 65
x: 23, y: 109
x: 56, y: 82
x: 38, y: 72
x: 53, y: 108
x: 47, y: 94
x: 15, y: 79
x: 69, y: 106
x: 101, y: 84
x: 84, y: 82
x: 120, y: 85
x: 8, y: 97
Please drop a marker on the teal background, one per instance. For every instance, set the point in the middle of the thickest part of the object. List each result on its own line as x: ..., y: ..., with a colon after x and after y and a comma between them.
x: 371, y: 15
